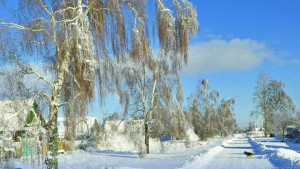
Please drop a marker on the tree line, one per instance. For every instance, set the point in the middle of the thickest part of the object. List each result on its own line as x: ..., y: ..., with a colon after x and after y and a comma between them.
x: 208, y: 115
x: 273, y: 105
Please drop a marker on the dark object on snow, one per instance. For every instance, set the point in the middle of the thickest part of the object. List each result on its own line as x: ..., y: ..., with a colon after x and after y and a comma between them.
x: 272, y: 135
x: 295, y: 133
x: 82, y: 146
x: 289, y: 136
x: 248, y: 154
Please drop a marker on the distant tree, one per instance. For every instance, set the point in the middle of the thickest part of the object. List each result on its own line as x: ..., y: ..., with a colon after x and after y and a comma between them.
x: 209, y: 118
x: 251, y: 127
x: 208, y: 105
x: 273, y: 104
x: 282, y: 105
x: 261, y: 100
x: 96, y: 127
x: 225, y: 117
x: 197, y: 117
x: 297, y: 119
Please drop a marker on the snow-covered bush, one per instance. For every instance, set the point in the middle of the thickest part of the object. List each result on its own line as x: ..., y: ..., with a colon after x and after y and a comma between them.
x: 122, y: 136
x: 190, y: 137
x: 125, y: 136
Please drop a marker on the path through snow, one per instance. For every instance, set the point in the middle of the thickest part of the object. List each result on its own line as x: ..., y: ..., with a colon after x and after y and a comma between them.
x: 230, y: 156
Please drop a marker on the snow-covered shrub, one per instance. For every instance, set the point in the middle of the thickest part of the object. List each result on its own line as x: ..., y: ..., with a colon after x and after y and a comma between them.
x: 135, y: 132
x: 191, y: 137
x: 129, y: 137
x: 122, y: 136
x: 83, y: 146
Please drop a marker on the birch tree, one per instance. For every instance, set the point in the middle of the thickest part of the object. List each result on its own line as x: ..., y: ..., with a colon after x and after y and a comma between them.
x: 150, y: 85
x: 225, y: 117
x: 273, y: 103
x: 204, y: 102
x: 260, y: 99
x: 282, y: 105
x: 209, y: 117
x: 80, y: 38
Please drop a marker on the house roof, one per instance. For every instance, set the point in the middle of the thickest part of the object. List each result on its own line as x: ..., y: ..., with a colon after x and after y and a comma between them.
x: 13, y: 114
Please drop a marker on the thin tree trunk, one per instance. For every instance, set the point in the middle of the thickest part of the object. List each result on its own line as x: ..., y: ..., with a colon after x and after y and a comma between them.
x: 149, y: 113
x: 283, y: 132
x: 147, y: 138
x: 266, y: 126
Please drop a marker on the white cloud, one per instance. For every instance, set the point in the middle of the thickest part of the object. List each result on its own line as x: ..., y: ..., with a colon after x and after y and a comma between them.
x: 221, y: 55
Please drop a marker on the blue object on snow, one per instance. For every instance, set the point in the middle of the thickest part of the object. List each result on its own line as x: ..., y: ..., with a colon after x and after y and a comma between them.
x: 165, y: 138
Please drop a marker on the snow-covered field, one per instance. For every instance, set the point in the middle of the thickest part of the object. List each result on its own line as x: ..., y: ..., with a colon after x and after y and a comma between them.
x: 174, y: 157
x: 216, y: 153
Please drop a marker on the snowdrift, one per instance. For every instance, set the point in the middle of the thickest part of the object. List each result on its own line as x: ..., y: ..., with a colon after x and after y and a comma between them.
x: 280, y: 157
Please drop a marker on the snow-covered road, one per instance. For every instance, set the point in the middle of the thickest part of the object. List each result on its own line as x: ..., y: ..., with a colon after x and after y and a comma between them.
x: 230, y: 156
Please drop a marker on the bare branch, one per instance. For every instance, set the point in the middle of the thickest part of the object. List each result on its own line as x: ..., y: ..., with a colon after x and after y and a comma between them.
x: 70, y: 102
x: 30, y: 69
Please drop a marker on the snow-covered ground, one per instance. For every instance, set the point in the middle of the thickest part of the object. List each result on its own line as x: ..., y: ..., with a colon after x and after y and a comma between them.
x: 269, y: 153
x: 112, y: 159
x: 281, y: 154
x: 216, y: 153
x: 230, y: 155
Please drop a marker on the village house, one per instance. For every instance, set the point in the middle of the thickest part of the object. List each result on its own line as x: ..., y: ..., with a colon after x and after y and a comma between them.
x: 20, y: 126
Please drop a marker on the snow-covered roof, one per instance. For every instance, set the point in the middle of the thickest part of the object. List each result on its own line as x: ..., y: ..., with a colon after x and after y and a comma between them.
x: 13, y: 114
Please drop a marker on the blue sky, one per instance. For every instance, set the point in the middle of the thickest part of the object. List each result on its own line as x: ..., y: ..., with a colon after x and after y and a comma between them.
x: 238, y: 40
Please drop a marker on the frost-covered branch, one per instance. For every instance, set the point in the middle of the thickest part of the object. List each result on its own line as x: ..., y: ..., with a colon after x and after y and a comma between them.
x: 20, y: 27
x: 31, y: 70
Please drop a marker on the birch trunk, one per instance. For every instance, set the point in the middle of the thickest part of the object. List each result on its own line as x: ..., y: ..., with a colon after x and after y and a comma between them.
x: 51, y: 159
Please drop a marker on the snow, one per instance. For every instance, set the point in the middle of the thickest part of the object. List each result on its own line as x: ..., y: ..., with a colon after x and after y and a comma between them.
x: 226, y: 153
x: 287, y: 157
x: 229, y: 155
x: 269, y: 153
x: 14, y: 113
x: 281, y: 154
x: 121, y: 136
x: 191, y: 136
x: 172, y: 158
